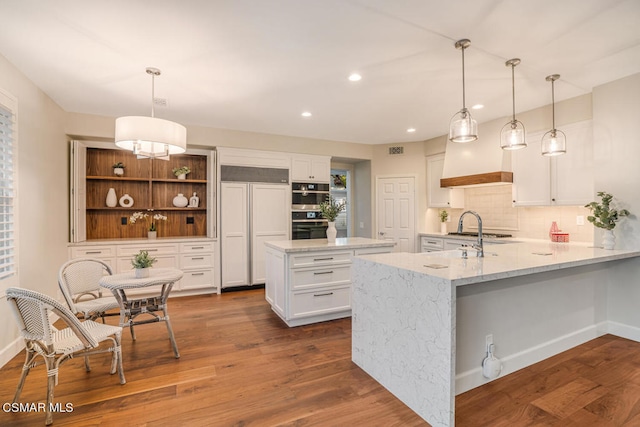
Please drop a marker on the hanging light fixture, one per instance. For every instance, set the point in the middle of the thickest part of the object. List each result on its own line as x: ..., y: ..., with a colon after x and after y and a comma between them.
x: 554, y: 142
x: 149, y: 136
x: 512, y: 135
x: 462, y: 127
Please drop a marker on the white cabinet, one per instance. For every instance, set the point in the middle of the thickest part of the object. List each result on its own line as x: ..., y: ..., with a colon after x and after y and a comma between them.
x: 310, y: 168
x: 565, y: 180
x: 431, y: 244
x: 438, y: 197
x: 311, y: 287
x: 195, y: 257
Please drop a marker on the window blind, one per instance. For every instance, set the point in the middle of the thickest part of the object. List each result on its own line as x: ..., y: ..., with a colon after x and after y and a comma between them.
x: 7, y: 194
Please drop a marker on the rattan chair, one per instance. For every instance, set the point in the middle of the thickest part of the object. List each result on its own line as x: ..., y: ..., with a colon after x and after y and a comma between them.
x: 32, y: 310
x: 78, y: 280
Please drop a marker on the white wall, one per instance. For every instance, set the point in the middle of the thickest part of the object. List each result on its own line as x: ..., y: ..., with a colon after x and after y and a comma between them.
x: 42, y: 194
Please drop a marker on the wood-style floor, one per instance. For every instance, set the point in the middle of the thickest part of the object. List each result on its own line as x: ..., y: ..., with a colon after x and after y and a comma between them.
x: 241, y: 366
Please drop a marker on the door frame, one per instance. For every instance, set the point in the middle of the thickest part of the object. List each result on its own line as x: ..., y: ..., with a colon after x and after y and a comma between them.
x: 376, y: 202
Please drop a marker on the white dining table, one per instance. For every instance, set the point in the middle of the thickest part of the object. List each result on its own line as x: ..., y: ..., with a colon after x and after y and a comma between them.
x: 160, y: 280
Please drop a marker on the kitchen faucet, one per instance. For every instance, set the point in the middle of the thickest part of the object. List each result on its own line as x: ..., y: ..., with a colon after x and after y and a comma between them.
x: 478, y: 246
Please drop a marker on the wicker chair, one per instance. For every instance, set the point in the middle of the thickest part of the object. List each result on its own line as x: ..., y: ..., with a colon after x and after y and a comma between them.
x: 78, y: 280
x: 32, y: 310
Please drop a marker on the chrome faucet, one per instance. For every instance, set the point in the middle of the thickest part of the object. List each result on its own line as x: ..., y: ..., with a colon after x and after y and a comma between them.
x: 478, y: 246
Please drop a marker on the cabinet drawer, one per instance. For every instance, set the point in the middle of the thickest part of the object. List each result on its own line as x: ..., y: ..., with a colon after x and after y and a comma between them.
x: 154, y: 249
x: 196, y: 261
x: 330, y: 275
x: 93, y: 252
x: 321, y: 258
x: 431, y: 243
x: 197, y: 279
x: 196, y: 247
x: 320, y: 302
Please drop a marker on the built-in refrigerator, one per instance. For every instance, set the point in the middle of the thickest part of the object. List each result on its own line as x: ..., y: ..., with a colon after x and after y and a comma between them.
x: 254, y: 208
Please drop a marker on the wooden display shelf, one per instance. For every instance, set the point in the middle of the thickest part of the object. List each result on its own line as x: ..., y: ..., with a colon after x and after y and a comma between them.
x: 180, y: 181
x: 118, y: 178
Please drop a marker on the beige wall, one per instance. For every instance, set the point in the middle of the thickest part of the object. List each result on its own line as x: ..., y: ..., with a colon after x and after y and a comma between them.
x: 42, y: 193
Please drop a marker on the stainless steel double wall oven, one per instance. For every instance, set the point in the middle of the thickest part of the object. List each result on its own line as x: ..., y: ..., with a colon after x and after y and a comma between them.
x: 306, y: 220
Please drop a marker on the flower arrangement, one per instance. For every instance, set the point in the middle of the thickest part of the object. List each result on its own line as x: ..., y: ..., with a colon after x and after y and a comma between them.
x: 444, y: 215
x: 331, y: 208
x: 142, y: 260
x: 151, y: 220
x: 604, y: 215
x: 182, y: 170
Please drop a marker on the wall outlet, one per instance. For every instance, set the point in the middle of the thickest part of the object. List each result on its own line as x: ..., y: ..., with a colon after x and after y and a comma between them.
x: 190, y: 220
x: 123, y: 220
x: 361, y: 224
x: 580, y: 220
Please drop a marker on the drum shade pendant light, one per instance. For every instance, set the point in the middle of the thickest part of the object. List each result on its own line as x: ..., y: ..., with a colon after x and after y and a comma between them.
x: 554, y: 142
x: 462, y: 127
x: 512, y: 135
x: 148, y: 136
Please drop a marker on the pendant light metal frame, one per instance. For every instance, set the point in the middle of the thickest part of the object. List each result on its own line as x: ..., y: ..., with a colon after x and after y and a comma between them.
x: 513, y: 134
x: 554, y: 142
x: 150, y: 137
x: 462, y: 127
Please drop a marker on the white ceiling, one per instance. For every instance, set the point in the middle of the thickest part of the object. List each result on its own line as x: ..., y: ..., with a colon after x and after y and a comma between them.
x: 255, y: 65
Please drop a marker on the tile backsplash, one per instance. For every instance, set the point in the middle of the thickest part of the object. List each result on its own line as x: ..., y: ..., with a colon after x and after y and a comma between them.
x: 493, y: 204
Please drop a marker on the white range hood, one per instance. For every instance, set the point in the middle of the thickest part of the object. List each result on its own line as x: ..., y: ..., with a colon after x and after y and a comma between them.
x: 481, y: 162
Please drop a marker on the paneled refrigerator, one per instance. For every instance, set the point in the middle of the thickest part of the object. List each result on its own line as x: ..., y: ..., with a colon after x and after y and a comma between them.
x: 251, y: 213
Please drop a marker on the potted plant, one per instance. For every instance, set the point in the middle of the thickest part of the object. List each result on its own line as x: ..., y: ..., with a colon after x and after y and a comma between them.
x: 330, y: 210
x: 152, y: 229
x: 118, y: 168
x: 142, y: 262
x: 444, y: 215
x: 605, y: 216
x: 181, y: 172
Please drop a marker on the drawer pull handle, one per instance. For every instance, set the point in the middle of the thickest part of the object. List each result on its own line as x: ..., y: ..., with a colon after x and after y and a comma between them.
x: 197, y: 258
x: 197, y: 274
x: 197, y: 247
x: 323, y: 295
x: 323, y: 259
x: 93, y: 252
x: 431, y: 242
x: 317, y: 273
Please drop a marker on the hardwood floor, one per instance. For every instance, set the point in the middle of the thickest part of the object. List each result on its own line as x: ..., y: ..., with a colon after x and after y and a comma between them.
x: 241, y: 366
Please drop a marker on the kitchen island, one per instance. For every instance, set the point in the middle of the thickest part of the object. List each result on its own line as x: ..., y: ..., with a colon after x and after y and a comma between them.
x: 421, y: 322
x: 309, y: 281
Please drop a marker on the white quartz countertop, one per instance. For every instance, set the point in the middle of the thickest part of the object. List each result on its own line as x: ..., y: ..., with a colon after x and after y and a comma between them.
x: 314, y: 245
x: 500, y: 261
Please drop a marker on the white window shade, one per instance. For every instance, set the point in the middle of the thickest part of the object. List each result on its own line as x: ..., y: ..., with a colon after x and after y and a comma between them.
x: 8, y: 232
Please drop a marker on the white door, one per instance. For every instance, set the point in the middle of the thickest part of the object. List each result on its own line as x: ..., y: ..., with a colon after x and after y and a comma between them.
x: 395, y: 201
x: 234, y: 229
x: 270, y: 210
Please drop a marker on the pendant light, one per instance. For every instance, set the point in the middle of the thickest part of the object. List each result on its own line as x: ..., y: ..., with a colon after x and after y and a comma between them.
x: 554, y: 142
x: 512, y: 135
x: 149, y: 136
x: 462, y: 127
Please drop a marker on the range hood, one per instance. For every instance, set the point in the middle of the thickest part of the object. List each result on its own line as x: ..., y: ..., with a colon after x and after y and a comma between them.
x: 481, y: 162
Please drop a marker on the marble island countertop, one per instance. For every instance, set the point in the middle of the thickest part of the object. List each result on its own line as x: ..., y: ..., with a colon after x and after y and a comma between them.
x: 312, y: 245
x: 500, y: 261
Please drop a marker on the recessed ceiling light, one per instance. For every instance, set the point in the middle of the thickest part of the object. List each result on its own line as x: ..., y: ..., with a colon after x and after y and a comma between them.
x: 306, y: 114
x: 477, y: 107
x: 411, y: 130
x: 355, y: 77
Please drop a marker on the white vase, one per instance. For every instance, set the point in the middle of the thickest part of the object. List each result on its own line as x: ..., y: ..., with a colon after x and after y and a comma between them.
x: 608, y: 239
x: 152, y: 234
x: 331, y: 232
x: 142, y: 273
x: 126, y: 201
x: 182, y: 176
x: 443, y: 228
x: 112, y: 199
x: 180, y: 201
x: 118, y: 171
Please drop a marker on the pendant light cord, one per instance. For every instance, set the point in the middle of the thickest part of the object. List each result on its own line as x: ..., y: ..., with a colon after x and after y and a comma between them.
x: 513, y: 91
x: 553, y: 106
x: 153, y: 87
x: 464, y: 108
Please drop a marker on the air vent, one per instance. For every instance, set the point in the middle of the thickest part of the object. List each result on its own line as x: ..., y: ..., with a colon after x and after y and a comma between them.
x: 160, y: 102
x: 396, y: 150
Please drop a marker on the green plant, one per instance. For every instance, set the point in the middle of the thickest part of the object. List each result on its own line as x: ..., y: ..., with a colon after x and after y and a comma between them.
x: 331, y: 208
x: 142, y: 260
x: 182, y: 170
x: 118, y: 165
x: 151, y: 220
x: 443, y: 216
x: 604, y: 214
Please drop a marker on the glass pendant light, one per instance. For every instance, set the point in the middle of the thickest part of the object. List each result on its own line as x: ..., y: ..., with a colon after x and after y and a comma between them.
x: 554, y: 142
x: 462, y: 127
x: 512, y: 135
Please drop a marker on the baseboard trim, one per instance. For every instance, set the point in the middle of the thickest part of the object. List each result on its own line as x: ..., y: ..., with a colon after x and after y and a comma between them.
x: 623, y: 331
x: 10, y: 351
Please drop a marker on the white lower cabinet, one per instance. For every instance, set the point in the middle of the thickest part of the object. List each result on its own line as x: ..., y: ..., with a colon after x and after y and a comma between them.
x: 194, y: 257
x: 311, y: 287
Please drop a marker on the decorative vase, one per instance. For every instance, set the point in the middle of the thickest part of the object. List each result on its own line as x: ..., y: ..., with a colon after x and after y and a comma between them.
x: 331, y: 232
x: 180, y: 201
x: 126, y: 201
x: 112, y: 199
x: 443, y: 228
x: 182, y: 176
x: 608, y: 239
x: 118, y: 171
x: 152, y: 234
x: 194, y: 201
x: 142, y: 273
